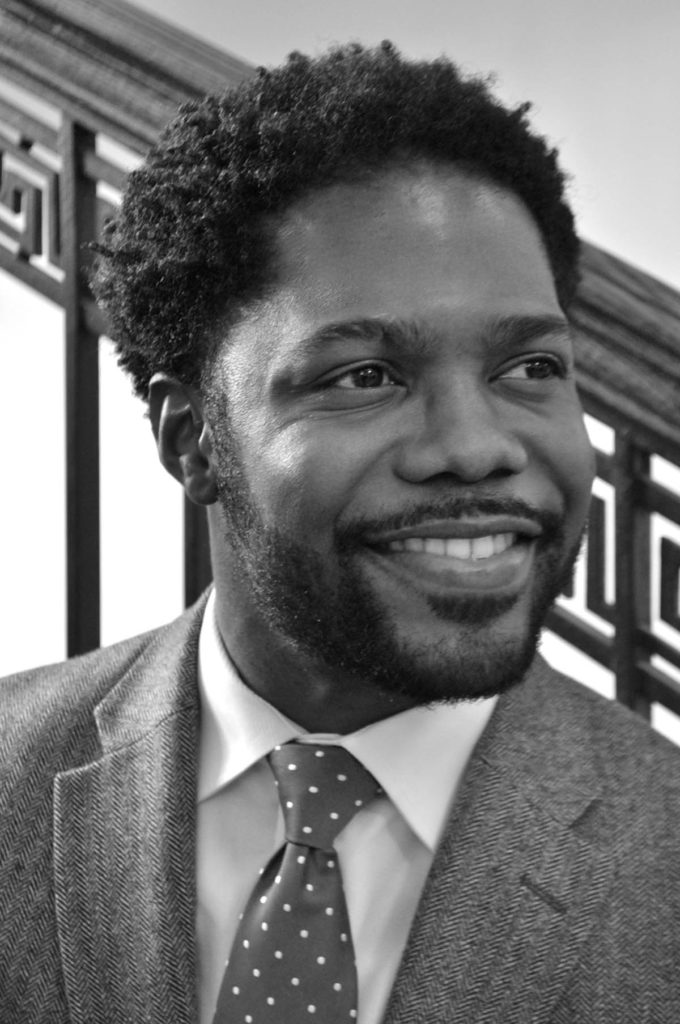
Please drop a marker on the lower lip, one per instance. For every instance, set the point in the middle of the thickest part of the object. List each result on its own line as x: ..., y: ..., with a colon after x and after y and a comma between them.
x: 504, y: 573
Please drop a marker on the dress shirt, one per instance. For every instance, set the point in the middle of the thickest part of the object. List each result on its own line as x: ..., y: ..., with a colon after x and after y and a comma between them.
x: 385, y: 852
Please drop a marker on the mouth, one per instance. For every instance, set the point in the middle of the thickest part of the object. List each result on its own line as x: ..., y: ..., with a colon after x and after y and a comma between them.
x: 474, y: 548
x: 460, y: 557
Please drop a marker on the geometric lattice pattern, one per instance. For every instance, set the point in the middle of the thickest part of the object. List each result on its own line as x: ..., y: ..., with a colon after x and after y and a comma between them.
x: 624, y: 608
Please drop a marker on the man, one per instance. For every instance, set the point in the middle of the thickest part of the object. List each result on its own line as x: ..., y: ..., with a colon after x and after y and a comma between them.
x: 343, y: 290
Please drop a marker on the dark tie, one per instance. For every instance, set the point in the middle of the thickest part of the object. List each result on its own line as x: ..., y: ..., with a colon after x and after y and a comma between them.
x: 292, y: 959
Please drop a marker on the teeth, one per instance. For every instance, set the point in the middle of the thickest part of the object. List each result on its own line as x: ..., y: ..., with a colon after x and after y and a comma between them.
x: 482, y: 547
x: 411, y: 544
x: 502, y: 541
x: 457, y: 547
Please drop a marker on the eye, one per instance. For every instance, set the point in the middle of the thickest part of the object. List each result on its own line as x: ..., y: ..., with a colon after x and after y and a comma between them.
x: 370, y: 375
x: 535, y: 368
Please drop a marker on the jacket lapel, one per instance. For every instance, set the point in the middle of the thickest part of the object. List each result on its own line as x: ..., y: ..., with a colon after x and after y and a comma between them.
x: 125, y: 845
x: 517, y: 881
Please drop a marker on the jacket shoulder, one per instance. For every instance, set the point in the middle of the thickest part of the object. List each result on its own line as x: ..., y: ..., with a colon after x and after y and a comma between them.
x: 637, y: 768
x: 47, y: 713
x: 570, y: 742
x: 52, y: 706
x: 627, y: 741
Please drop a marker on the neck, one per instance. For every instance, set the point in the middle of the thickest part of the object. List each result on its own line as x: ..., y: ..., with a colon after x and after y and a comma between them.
x: 311, y: 694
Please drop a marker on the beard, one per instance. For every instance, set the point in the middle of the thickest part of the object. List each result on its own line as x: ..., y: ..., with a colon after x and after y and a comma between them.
x: 345, y: 627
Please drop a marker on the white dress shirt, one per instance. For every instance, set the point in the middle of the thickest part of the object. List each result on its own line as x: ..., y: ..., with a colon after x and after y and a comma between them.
x: 385, y: 852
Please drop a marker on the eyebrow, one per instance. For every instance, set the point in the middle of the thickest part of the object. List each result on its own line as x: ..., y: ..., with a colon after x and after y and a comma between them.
x: 368, y: 328
x: 504, y: 331
x: 498, y: 332
x: 525, y: 327
x: 389, y: 332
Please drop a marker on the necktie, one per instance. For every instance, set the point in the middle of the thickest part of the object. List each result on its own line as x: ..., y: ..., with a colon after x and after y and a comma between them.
x: 292, y: 959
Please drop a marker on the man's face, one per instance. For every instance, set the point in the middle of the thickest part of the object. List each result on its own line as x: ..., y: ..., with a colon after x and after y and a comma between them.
x: 403, y: 470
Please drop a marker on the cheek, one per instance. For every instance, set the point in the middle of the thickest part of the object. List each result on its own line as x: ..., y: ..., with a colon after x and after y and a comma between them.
x: 306, y: 481
x: 574, y: 461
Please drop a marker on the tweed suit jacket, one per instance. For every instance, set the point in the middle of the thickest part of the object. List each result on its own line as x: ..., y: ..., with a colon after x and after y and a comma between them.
x: 554, y: 895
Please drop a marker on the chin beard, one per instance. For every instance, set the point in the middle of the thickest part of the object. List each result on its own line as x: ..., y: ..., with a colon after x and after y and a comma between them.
x: 347, y: 630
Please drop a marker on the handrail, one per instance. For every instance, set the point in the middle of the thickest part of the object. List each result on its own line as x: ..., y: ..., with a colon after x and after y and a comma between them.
x: 109, y: 65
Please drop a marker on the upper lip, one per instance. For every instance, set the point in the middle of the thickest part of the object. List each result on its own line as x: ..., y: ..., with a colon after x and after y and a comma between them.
x: 465, y: 528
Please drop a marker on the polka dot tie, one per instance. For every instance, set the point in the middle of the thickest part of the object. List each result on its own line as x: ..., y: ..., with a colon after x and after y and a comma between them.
x: 292, y: 960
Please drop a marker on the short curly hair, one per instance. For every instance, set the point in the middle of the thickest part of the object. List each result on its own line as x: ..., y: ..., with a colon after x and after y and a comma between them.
x: 190, y: 246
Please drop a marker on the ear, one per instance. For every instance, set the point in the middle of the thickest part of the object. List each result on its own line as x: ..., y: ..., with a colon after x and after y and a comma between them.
x: 183, y: 437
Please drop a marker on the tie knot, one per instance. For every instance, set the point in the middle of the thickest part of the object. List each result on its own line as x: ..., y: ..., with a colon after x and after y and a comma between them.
x: 320, y: 788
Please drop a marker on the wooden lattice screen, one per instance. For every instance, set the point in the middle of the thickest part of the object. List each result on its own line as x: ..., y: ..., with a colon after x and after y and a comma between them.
x: 102, y: 78
x: 96, y: 83
x: 628, y: 359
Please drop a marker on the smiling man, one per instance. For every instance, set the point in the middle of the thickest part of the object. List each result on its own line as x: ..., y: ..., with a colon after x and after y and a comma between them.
x: 403, y: 473
x: 344, y: 786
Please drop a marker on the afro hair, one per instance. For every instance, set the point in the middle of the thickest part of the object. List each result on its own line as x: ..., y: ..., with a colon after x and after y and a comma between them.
x: 190, y: 245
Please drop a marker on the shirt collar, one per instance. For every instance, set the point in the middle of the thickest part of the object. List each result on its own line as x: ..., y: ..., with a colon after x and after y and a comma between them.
x: 237, y: 726
x: 418, y: 756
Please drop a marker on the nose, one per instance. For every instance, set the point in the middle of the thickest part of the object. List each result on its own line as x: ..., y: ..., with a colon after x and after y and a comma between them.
x: 461, y: 430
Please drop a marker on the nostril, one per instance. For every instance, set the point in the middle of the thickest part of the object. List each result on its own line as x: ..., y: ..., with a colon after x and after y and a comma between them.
x: 459, y: 466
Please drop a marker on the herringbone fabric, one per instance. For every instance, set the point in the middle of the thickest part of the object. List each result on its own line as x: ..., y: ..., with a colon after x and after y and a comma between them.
x: 293, y: 957
x: 554, y: 896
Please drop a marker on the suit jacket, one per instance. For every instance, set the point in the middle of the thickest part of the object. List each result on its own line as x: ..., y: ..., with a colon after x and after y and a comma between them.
x: 554, y: 895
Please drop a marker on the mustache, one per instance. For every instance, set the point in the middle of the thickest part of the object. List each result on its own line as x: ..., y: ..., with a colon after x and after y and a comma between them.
x: 549, y: 521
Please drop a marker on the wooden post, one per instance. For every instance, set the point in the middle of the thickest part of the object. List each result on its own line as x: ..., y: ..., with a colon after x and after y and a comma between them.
x: 632, y: 571
x: 78, y: 213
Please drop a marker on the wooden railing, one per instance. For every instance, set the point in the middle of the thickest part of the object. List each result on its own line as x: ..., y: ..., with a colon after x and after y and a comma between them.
x: 628, y: 358
x: 86, y: 89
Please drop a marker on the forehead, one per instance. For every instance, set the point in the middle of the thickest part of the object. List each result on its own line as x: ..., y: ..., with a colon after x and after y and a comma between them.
x: 427, y: 245
x: 418, y: 237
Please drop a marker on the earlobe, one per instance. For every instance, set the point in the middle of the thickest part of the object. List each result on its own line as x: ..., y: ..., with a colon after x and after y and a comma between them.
x: 183, y: 437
